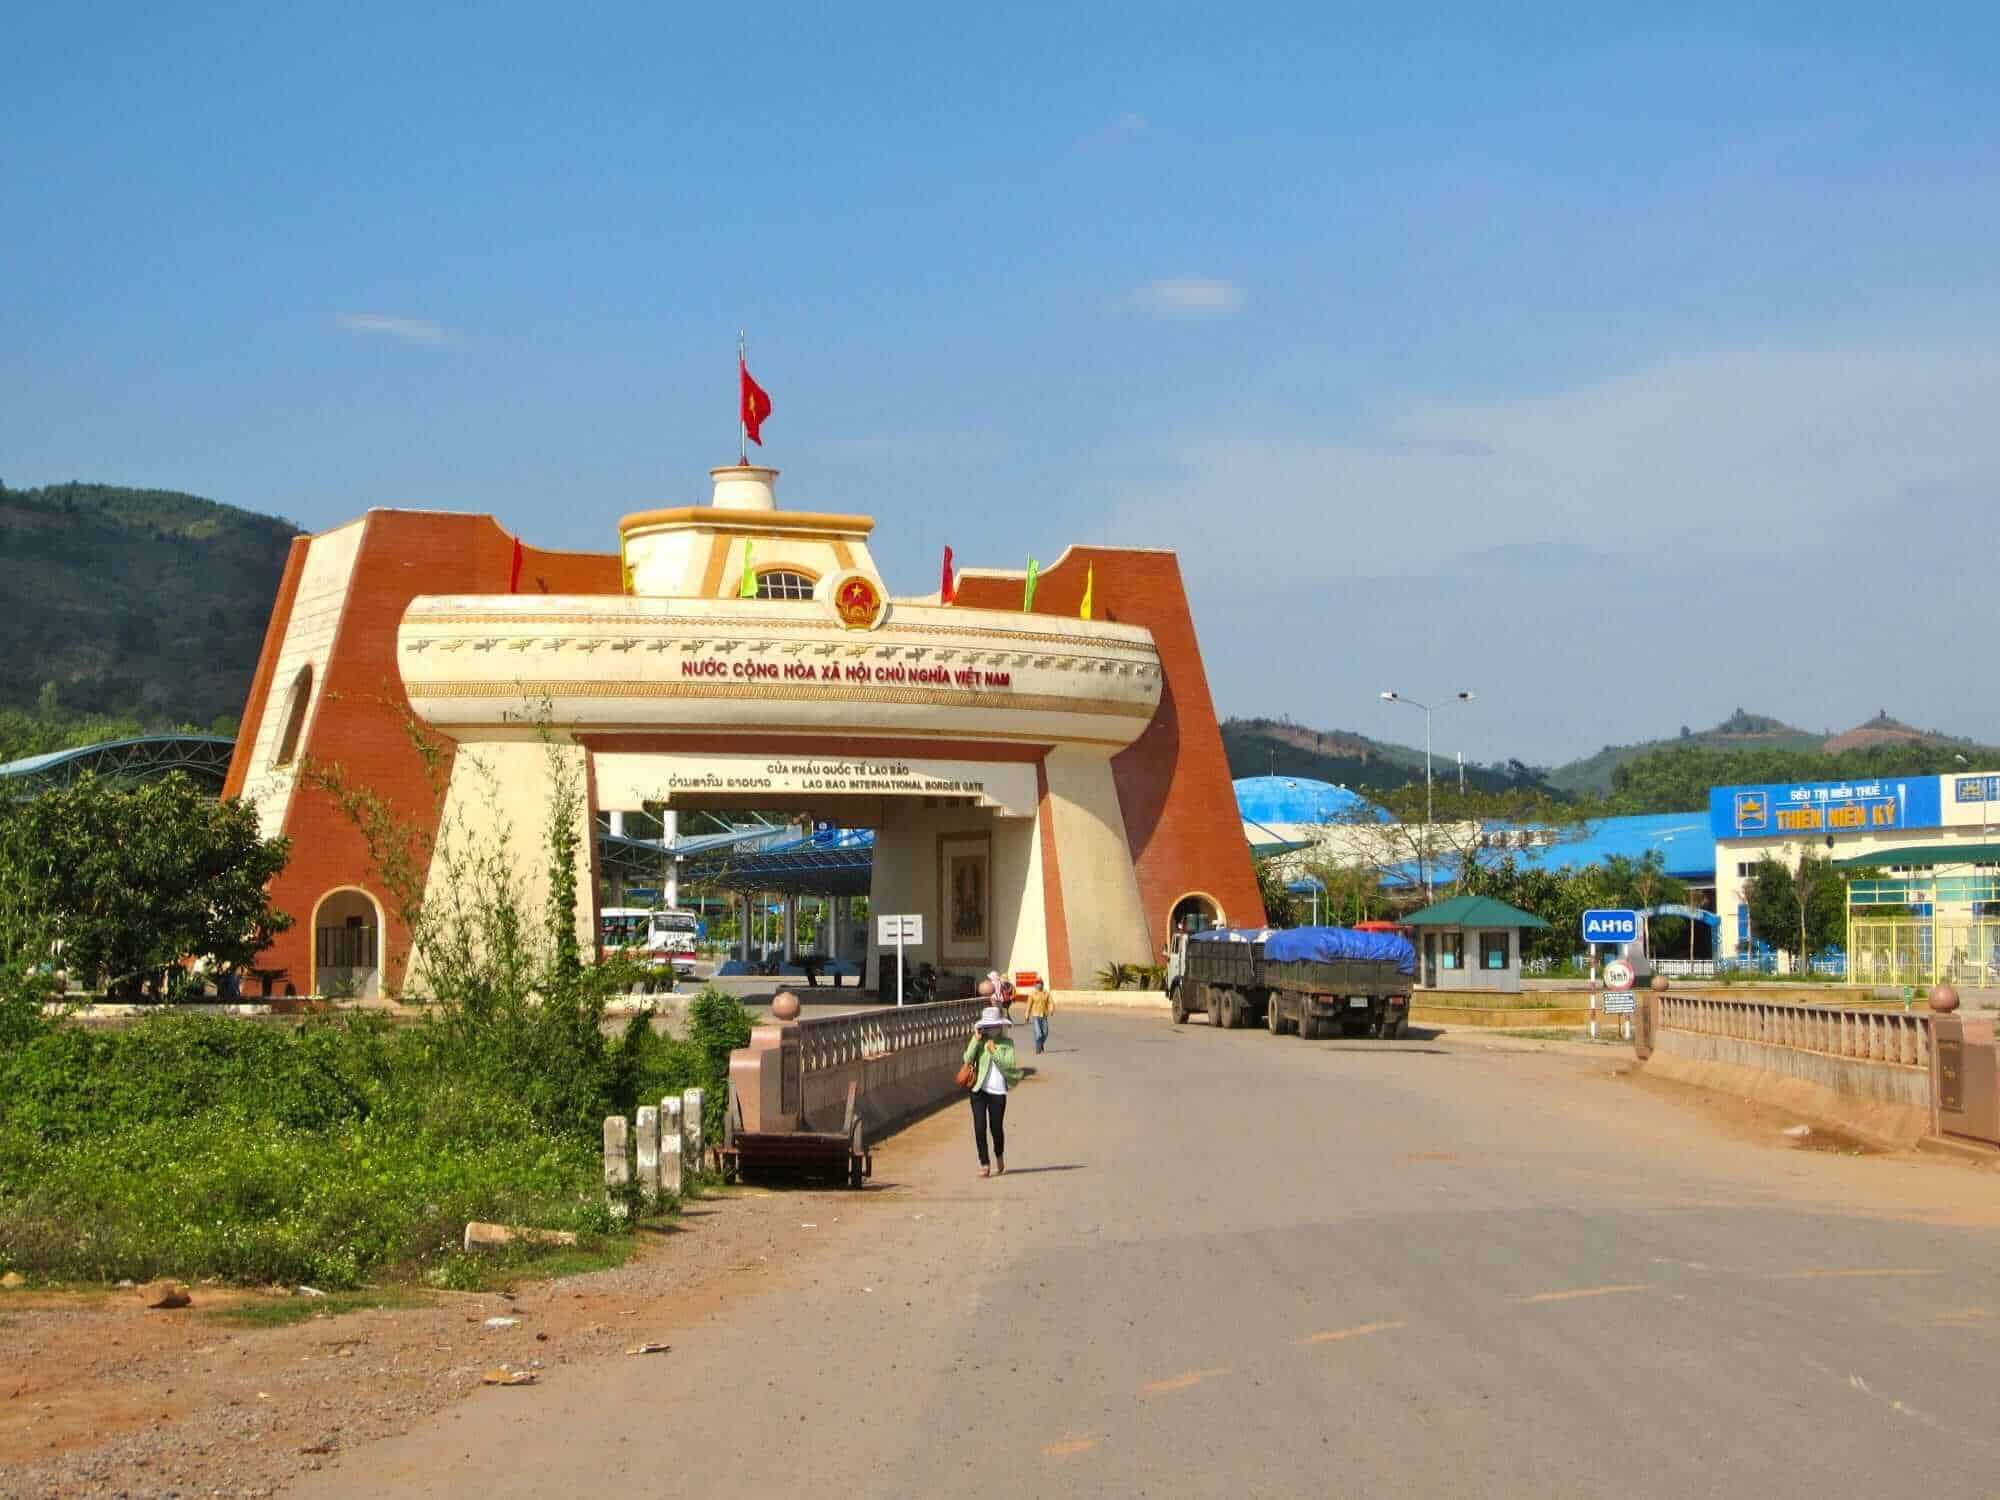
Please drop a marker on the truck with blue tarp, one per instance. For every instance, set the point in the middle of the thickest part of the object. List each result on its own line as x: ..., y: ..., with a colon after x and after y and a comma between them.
x: 1309, y: 981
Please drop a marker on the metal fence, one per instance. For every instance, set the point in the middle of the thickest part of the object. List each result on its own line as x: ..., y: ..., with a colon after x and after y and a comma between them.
x: 827, y: 1042
x: 1899, y: 1037
x: 346, y: 947
x: 1917, y: 950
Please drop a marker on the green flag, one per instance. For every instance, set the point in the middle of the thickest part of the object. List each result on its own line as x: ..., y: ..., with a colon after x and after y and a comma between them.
x: 1028, y: 593
x: 748, y: 588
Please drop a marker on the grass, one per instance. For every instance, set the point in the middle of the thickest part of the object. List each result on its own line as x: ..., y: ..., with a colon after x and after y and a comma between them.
x: 1498, y: 1001
x: 1606, y: 1035
x: 334, y: 1153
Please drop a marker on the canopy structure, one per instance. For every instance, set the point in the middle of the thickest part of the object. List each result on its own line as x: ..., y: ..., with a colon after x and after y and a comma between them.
x: 803, y: 867
x: 205, y: 757
x: 1474, y: 911
x: 1924, y: 855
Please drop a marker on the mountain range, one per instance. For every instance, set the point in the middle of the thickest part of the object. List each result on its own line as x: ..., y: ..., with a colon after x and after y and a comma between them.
x: 151, y: 605
x: 145, y: 604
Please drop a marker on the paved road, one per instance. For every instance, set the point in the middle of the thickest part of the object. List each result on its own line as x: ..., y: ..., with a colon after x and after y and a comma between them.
x: 1232, y: 1263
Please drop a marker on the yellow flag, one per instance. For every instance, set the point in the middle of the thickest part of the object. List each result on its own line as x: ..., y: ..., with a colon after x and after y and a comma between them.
x: 748, y: 588
x: 624, y: 567
x: 1089, y: 585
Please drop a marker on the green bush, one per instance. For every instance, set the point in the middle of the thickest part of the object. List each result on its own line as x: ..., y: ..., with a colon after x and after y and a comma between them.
x: 325, y: 1153
x: 332, y: 1151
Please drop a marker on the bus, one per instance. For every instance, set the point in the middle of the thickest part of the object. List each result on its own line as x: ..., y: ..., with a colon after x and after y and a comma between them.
x: 664, y: 941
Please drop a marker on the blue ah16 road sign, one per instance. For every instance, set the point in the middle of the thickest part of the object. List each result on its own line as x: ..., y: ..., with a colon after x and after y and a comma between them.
x: 1611, y: 926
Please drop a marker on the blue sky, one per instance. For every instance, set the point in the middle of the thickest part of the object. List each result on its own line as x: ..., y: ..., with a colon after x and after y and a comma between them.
x: 1624, y: 366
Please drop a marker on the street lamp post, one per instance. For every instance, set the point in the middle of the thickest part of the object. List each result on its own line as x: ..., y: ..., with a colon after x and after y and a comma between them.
x: 1392, y: 696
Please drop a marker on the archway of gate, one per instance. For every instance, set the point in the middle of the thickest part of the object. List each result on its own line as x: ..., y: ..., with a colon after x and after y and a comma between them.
x: 956, y: 844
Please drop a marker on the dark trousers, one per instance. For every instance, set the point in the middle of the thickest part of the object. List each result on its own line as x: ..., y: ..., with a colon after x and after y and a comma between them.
x: 989, y: 1108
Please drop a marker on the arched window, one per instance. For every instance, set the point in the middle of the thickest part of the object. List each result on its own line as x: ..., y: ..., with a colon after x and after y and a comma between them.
x: 784, y: 583
x: 295, y: 717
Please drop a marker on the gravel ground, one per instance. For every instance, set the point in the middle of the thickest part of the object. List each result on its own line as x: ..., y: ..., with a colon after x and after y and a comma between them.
x: 107, y: 1398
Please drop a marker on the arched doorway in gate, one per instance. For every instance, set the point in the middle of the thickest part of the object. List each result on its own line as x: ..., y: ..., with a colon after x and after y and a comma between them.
x: 1195, y: 912
x: 347, y: 945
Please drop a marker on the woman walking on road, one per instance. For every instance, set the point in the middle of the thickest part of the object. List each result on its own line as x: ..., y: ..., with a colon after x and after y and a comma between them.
x: 990, y: 1054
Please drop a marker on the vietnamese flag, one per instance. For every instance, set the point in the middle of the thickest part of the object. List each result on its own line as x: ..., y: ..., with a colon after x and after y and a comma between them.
x: 948, y: 590
x: 514, y: 573
x: 756, y: 405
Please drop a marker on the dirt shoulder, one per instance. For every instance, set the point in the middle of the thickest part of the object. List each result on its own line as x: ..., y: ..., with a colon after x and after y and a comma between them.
x: 103, y: 1396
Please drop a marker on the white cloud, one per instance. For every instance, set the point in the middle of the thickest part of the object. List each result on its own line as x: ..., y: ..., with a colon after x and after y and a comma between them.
x: 1127, y: 127
x: 1778, y: 454
x: 1189, y: 297
x: 410, y: 330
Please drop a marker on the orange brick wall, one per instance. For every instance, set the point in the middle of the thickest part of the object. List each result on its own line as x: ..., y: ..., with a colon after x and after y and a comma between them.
x: 1174, y: 786
x: 361, y: 722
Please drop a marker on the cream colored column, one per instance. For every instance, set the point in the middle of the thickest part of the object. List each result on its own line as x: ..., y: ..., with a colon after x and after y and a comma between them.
x: 1101, y: 904
x: 499, y: 794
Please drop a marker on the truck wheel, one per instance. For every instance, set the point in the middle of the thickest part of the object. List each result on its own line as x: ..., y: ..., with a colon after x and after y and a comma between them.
x: 1392, y: 1031
x: 1218, y: 1011
x: 1271, y: 1022
x: 1178, y: 1000
x: 1308, y: 1028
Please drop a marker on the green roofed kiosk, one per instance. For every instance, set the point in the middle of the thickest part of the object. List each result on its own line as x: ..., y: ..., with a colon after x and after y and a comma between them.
x: 1471, y: 943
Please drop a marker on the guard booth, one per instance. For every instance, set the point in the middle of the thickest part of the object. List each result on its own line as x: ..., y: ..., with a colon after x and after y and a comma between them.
x: 1471, y: 943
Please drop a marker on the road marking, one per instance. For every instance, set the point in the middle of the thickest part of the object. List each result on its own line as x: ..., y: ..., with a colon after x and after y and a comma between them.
x: 1335, y: 1335
x: 1587, y: 1291
x: 1069, y: 1447
x: 1185, y: 1382
x: 1822, y: 1273
x: 1964, y: 1317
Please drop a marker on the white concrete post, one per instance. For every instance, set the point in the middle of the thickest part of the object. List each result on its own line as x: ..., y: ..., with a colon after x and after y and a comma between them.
x: 670, y: 1146
x: 691, y: 1126
x: 830, y: 921
x: 745, y: 933
x: 670, y: 827
x: 648, y: 1123
x: 617, y: 1169
x: 791, y: 938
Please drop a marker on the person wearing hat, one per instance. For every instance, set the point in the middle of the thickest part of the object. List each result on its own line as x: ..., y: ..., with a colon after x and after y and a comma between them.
x: 990, y: 1054
x: 1001, y: 989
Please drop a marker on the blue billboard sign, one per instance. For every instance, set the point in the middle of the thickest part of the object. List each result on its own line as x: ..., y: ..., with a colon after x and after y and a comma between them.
x: 1795, y: 809
x: 1975, y: 789
x: 1611, y: 925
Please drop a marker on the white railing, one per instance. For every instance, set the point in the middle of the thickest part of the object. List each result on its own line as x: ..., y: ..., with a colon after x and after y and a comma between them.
x: 1902, y: 1038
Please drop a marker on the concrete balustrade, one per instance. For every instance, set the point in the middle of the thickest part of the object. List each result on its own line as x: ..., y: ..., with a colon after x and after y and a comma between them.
x: 795, y: 1075
x: 1867, y: 1071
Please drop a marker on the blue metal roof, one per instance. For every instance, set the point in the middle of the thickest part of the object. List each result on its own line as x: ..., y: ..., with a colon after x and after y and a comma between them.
x: 1682, y: 839
x: 1300, y: 799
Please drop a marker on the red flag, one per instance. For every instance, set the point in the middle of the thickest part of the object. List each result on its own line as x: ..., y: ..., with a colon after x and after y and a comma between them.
x: 756, y: 405
x: 948, y: 591
x: 514, y: 574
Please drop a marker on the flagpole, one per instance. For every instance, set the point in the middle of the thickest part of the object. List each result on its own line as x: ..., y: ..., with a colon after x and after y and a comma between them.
x: 742, y: 428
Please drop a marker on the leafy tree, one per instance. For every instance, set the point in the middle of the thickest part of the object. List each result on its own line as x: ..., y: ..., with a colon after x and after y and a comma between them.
x: 1280, y: 905
x: 1452, y: 843
x: 129, y: 881
x: 1799, y: 910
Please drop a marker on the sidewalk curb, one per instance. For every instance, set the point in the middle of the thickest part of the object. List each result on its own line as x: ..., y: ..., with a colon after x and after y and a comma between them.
x: 1975, y: 1153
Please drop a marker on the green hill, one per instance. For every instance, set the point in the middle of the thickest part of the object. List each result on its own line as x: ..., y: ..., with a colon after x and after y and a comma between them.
x: 1591, y: 775
x: 1278, y: 747
x: 146, y: 604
